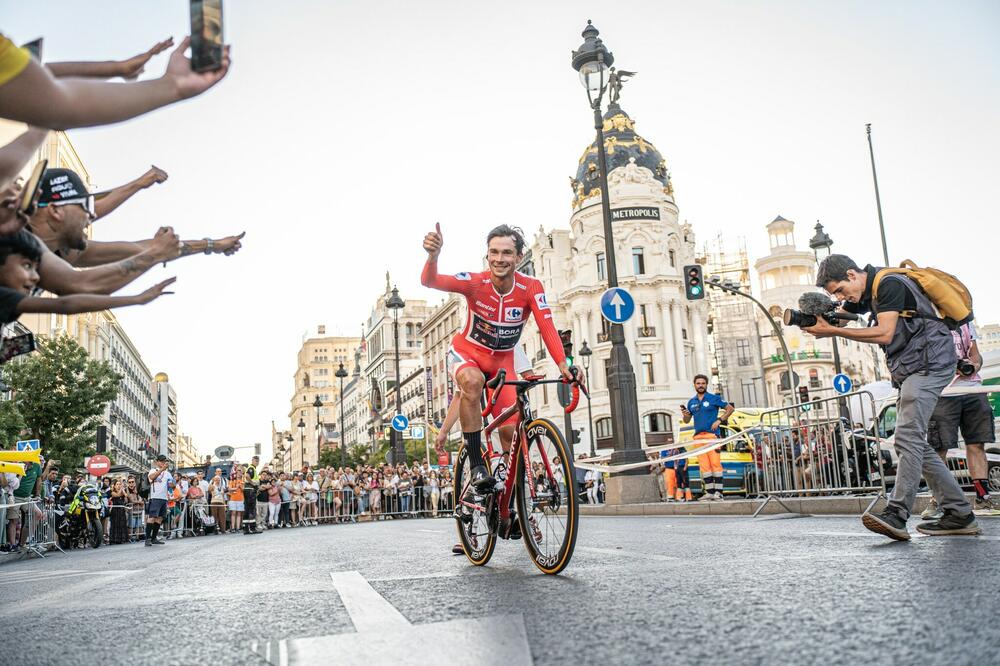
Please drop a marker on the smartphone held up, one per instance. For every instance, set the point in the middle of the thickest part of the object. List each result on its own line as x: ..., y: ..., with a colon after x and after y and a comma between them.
x: 206, y: 35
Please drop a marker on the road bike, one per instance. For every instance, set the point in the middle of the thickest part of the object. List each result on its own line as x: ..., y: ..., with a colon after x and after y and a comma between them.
x: 537, y: 499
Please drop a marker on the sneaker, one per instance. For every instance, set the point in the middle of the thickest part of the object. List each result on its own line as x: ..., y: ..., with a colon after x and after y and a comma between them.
x: 719, y: 497
x: 706, y: 497
x: 457, y: 549
x: 887, y: 522
x: 157, y: 542
x: 932, y: 512
x: 148, y: 542
x: 951, y: 523
x: 987, y: 506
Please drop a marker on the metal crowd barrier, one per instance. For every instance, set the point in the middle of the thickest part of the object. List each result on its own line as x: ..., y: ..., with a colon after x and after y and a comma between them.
x: 41, y: 526
x: 813, y: 449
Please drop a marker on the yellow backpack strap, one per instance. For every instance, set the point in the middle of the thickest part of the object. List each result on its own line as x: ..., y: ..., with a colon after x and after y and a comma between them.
x: 902, y: 270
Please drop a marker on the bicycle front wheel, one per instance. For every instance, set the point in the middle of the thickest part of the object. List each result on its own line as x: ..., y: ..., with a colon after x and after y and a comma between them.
x: 547, y: 507
x: 474, y: 515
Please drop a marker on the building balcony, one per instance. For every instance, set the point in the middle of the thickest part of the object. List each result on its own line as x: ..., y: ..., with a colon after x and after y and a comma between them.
x: 603, y: 337
x: 539, y: 355
x: 647, y: 331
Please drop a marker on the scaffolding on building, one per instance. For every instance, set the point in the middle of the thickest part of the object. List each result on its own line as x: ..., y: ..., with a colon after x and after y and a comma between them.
x: 734, y: 340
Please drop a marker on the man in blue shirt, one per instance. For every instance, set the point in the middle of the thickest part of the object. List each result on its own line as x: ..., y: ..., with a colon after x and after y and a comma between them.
x: 704, y: 409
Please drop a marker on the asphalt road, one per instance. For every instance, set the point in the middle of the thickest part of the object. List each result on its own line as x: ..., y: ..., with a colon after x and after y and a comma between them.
x: 709, y: 590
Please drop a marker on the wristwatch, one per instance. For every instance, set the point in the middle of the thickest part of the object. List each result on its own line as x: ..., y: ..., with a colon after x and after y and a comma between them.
x: 210, y: 244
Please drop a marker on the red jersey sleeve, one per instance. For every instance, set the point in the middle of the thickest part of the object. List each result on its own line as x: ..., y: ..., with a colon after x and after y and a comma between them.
x: 459, y: 284
x: 543, y: 318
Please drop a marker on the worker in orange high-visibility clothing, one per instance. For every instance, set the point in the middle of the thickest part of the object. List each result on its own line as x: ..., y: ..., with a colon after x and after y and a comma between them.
x: 704, y: 409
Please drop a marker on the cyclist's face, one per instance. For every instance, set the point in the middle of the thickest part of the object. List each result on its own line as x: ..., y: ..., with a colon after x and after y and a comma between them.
x: 501, y: 253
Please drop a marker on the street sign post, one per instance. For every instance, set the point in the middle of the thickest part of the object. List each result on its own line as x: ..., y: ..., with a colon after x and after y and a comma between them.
x: 28, y: 445
x: 400, y: 422
x: 842, y: 384
x: 98, y: 465
x: 617, y: 305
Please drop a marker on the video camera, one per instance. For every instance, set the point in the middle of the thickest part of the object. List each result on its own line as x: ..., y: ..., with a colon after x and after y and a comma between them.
x: 814, y: 305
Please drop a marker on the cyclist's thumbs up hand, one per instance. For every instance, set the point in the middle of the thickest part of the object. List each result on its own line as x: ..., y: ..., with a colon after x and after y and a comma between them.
x: 433, y: 242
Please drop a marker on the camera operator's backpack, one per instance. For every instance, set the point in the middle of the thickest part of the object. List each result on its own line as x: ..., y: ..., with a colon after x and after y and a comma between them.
x: 144, y: 486
x: 946, y: 292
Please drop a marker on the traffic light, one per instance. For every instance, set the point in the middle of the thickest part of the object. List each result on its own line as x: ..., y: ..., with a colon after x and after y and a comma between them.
x: 694, y: 282
x: 575, y: 436
x: 803, y: 394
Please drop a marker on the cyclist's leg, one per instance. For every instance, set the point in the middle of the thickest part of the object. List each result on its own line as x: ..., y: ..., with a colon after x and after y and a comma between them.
x: 470, y: 380
x: 506, y: 398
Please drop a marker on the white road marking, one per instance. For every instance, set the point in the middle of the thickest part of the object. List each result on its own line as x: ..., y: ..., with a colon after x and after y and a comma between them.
x: 913, y: 535
x: 368, y: 609
x: 384, y: 635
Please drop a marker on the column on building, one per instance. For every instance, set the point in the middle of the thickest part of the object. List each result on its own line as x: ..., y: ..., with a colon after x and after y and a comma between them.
x: 669, y: 342
x: 676, y: 308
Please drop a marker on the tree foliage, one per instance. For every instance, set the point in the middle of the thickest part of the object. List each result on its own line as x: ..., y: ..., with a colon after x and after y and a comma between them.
x: 61, y: 393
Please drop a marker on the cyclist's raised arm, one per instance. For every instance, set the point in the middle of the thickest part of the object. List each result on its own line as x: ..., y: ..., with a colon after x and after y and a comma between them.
x: 429, y: 277
x: 543, y: 318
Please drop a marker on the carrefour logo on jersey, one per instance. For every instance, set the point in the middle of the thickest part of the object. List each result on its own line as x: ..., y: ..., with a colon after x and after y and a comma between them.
x: 541, y: 302
x: 513, y: 315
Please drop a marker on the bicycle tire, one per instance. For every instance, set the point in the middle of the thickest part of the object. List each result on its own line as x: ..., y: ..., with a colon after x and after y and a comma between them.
x: 477, y: 554
x: 548, y: 562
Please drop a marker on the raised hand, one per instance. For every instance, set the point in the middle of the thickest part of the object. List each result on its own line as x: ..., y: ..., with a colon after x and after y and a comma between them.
x: 156, y: 291
x: 433, y: 242
x: 131, y: 69
x: 166, y: 244
x: 229, y: 245
x: 154, y: 176
x: 189, y: 82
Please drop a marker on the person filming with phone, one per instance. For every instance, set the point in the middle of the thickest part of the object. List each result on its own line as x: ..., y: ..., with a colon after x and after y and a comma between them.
x: 704, y: 409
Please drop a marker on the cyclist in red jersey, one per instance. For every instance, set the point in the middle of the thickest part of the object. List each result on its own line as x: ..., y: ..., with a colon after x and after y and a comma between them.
x: 499, y: 300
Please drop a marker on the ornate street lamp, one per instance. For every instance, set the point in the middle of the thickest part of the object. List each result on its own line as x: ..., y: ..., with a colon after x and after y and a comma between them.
x: 820, y: 244
x: 341, y: 374
x: 395, y: 303
x: 592, y: 60
x: 302, y: 436
x: 288, y: 439
x: 585, y: 353
x: 318, y: 404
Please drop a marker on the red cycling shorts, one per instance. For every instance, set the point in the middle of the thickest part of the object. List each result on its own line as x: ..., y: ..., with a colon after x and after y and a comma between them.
x: 463, y: 355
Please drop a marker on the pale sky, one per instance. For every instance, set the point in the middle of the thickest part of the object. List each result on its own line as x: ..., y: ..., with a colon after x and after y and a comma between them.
x: 346, y: 129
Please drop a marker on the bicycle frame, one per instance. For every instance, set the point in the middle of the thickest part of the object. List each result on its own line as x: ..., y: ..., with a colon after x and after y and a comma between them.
x: 518, y: 447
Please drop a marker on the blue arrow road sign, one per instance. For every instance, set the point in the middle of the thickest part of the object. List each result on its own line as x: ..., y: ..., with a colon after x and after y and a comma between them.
x: 400, y: 422
x: 28, y: 445
x: 842, y: 384
x: 617, y: 305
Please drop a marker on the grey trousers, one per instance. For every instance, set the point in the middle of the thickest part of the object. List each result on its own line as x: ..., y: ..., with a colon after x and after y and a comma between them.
x: 917, y: 398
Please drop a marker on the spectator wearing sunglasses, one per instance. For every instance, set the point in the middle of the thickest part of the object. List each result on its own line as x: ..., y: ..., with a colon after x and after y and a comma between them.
x: 66, y: 208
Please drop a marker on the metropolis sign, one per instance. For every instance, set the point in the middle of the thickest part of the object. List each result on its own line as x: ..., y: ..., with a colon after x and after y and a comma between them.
x: 635, y: 213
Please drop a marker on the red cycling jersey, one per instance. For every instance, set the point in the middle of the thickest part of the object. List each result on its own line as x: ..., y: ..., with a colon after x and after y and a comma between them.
x: 495, y: 320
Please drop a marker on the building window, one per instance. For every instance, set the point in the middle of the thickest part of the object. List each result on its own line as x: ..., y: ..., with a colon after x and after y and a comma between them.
x: 748, y: 390
x: 601, y: 268
x: 647, y: 369
x: 658, y: 422
x: 638, y: 261
x: 602, y: 428
x: 743, y: 351
x: 672, y: 257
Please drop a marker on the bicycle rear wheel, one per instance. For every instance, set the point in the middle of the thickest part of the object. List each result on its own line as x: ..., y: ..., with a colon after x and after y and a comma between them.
x: 476, y: 526
x: 549, y: 518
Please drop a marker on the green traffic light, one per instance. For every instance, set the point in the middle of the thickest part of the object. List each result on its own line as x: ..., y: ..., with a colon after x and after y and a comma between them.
x: 695, y: 290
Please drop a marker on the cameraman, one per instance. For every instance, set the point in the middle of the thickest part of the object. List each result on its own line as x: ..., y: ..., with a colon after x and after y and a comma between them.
x: 920, y: 353
x: 972, y: 413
